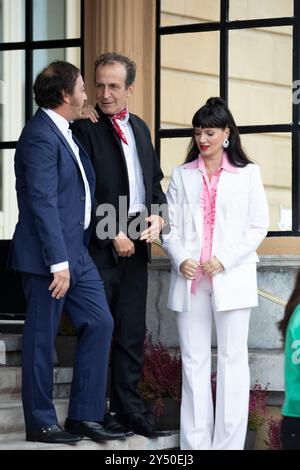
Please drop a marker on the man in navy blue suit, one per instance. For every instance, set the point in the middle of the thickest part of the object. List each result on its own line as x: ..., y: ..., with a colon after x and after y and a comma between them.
x: 55, y: 185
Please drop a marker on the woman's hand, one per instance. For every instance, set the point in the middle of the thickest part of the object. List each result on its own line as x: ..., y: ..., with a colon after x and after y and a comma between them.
x: 152, y: 232
x: 213, y: 266
x: 188, y: 268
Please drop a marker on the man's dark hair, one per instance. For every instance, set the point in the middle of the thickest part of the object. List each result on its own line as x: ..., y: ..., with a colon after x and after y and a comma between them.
x: 52, y: 81
x: 110, y: 58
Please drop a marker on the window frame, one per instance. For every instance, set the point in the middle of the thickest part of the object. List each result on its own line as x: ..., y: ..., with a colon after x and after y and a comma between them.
x: 224, y: 26
x: 13, y: 300
x: 29, y: 46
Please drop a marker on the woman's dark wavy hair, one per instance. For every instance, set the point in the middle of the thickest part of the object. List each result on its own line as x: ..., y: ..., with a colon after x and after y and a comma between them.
x: 293, y: 301
x: 215, y: 113
x: 49, y: 85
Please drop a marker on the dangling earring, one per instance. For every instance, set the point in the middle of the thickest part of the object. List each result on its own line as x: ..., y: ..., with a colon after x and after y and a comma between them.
x: 226, y: 144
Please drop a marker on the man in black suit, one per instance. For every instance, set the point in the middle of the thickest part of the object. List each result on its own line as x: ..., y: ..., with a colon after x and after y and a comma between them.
x: 128, y: 180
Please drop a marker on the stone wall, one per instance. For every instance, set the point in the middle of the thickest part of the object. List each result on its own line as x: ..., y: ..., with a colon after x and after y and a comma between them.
x: 275, y: 274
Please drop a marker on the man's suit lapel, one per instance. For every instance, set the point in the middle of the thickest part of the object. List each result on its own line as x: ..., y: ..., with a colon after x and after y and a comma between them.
x: 87, y: 167
x: 65, y: 142
x: 89, y: 172
x: 139, y: 148
x: 56, y: 130
x: 86, y: 163
x: 118, y: 141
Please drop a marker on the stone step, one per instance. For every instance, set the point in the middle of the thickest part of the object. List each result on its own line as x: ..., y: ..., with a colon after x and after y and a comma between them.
x: 12, y: 418
x: 266, y: 366
x: 16, y: 441
x: 10, y: 382
x: 10, y: 349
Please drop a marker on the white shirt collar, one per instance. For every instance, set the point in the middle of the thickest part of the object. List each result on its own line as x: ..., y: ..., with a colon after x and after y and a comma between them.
x: 125, y: 120
x: 59, y: 120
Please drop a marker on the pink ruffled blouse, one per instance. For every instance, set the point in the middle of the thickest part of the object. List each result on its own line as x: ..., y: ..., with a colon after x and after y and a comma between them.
x: 208, y: 209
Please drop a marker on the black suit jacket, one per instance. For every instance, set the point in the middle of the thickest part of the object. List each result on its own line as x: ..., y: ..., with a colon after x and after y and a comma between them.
x: 105, y: 149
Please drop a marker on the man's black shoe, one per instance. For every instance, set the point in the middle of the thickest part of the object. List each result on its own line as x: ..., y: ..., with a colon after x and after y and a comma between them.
x: 51, y: 435
x: 112, y: 424
x: 91, y: 429
x: 141, y: 423
x: 150, y: 417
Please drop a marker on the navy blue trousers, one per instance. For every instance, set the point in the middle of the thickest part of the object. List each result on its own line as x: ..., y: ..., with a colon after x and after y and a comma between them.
x: 85, y: 303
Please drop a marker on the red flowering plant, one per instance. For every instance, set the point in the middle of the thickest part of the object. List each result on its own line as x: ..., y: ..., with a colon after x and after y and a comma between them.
x: 273, y: 442
x: 161, y: 375
x: 257, y: 406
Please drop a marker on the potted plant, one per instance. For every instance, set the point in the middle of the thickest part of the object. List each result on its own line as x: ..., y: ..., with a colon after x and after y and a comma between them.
x: 257, y: 413
x: 65, y: 342
x: 160, y: 386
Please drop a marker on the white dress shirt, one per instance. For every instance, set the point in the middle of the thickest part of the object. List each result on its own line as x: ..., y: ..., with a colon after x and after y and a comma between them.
x: 134, y: 170
x: 63, y: 126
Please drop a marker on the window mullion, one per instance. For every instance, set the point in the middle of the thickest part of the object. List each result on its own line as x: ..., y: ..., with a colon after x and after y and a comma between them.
x: 296, y: 129
x: 224, y: 45
x: 28, y: 59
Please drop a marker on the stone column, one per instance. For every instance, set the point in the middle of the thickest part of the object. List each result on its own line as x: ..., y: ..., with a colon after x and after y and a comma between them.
x: 128, y: 27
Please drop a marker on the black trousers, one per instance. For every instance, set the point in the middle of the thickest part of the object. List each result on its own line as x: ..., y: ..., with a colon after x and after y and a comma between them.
x: 126, y: 290
x: 290, y: 433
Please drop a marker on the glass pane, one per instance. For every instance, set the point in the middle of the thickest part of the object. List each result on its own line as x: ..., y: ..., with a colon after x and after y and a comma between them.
x: 42, y: 57
x: 261, y: 149
x: 173, y: 153
x: 188, y: 12
x: 12, y: 20
x: 1, y: 181
x: 273, y: 154
x: 253, y: 9
x: 56, y: 19
x: 260, y: 75
x: 8, y: 199
x: 12, y: 94
x: 189, y: 75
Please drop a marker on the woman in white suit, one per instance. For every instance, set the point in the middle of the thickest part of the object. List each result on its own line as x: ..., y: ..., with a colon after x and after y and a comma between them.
x: 218, y: 217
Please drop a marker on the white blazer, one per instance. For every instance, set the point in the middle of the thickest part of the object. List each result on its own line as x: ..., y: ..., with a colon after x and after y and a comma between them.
x: 241, y: 223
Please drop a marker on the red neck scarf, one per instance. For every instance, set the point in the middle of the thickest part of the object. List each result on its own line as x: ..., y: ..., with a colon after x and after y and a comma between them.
x: 120, y: 115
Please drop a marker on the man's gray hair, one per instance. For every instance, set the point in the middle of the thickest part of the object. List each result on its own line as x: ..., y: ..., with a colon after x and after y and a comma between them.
x: 110, y: 58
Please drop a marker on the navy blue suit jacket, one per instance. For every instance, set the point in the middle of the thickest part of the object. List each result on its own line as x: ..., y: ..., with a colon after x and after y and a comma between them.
x: 51, y: 199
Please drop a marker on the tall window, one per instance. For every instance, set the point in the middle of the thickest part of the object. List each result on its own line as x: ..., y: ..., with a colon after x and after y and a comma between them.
x: 32, y: 34
x: 248, y: 52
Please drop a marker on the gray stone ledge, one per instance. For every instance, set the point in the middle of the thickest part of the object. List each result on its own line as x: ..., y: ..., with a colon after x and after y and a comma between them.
x: 279, y: 261
x: 16, y: 441
x: 266, y: 261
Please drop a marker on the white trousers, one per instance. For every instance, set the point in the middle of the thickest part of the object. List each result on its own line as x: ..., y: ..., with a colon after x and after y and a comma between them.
x: 199, y: 429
